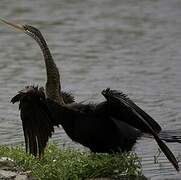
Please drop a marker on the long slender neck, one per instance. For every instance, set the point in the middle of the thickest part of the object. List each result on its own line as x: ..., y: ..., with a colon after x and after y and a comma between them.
x: 53, y: 86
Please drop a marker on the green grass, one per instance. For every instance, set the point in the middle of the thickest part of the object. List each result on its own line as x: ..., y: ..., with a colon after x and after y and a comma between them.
x: 70, y: 164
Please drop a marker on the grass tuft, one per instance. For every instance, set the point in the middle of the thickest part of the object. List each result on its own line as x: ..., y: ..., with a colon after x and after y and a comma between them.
x: 71, y: 164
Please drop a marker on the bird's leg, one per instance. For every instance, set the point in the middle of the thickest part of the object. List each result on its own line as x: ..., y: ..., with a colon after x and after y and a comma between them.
x: 157, y: 154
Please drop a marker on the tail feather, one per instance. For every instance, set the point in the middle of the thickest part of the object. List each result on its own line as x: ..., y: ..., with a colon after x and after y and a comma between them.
x: 172, y: 136
x: 167, y: 152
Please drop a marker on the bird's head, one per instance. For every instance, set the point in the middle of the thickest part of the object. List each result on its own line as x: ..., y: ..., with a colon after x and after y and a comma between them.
x: 31, y: 31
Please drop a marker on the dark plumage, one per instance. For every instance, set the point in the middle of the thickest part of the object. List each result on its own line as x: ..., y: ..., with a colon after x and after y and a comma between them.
x: 36, y: 118
x: 111, y: 126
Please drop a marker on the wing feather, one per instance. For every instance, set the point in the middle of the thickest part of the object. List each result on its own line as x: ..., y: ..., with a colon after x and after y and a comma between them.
x: 36, y: 119
x: 126, y: 110
x: 122, y: 103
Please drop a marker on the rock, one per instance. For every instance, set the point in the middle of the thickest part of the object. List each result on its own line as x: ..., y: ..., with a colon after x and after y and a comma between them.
x: 7, y: 174
x: 21, y: 177
x: 9, y: 171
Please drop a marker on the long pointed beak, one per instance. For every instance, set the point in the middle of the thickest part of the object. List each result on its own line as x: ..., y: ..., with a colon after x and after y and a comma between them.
x: 17, y: 26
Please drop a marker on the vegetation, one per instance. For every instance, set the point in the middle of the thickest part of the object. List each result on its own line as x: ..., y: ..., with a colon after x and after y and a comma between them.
x: 71, y: 164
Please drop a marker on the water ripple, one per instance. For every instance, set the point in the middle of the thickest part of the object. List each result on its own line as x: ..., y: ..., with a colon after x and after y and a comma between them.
x: 133, y: 46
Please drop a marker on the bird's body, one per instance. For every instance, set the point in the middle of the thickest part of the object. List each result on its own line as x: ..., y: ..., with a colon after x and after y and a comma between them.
x: 95, y: 126
x: 110, y: 126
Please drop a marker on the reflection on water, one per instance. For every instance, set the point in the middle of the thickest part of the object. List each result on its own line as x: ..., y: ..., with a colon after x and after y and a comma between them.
x: 133, y: 46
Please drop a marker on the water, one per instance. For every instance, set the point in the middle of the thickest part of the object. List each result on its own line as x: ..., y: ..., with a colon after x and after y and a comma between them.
x: 132, y: 46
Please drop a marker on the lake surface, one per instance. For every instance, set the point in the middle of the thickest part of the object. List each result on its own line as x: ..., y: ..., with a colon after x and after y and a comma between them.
x: 132, y: 46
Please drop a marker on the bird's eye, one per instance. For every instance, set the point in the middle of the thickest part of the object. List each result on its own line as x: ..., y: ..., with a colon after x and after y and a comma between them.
x: 25, y: 27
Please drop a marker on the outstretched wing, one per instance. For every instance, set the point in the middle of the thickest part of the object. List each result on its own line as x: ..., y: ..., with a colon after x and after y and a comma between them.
x: 36, y: 119
x: 121, y: 107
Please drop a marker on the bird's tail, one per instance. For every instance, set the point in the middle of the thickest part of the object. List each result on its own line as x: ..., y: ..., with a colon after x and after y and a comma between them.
x: 171, y: 136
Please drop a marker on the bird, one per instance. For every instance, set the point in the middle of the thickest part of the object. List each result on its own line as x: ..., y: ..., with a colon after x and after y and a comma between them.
x: 113, y: 125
